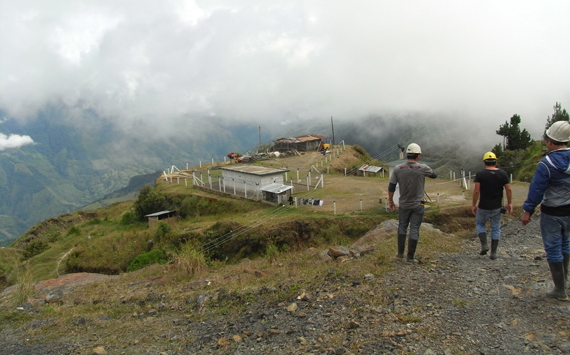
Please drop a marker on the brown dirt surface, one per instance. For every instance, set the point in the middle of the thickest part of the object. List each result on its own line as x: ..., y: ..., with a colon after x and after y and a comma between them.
x: 455, y: 303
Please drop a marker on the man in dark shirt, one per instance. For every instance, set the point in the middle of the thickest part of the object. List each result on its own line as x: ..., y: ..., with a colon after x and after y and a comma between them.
x: 489, y: 184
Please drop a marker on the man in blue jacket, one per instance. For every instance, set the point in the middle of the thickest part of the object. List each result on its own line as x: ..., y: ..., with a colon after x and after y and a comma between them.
x: 550, y: 187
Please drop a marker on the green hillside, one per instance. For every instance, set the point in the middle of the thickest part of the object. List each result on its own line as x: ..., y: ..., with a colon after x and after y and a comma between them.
x: 72, y: 164
x: 108, y: 240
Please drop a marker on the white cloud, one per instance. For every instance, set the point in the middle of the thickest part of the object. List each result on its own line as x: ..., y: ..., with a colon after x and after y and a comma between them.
x: 253, y: 60
x: 14, y: 141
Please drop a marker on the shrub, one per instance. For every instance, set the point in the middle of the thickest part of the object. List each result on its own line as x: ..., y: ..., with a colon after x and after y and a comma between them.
x: 128, y: 218
x: 34, y: 247
x: 156, y: 256
x: 162, y: 230
x: 191, y: 260
x: 73, y: 230
x: 271, y: 252
x: 149, y: 201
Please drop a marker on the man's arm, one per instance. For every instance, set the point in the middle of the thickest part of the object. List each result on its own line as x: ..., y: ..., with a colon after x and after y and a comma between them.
x: 536, y: 191
x: 391, y: 204
x: 476, y: 191
x: 509, y: 194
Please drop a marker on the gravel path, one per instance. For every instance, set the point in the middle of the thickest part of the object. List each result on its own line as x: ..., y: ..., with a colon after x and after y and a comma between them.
x: 462, y: 303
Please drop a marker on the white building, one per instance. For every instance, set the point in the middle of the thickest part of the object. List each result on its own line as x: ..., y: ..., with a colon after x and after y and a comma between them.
x: 254, y: 179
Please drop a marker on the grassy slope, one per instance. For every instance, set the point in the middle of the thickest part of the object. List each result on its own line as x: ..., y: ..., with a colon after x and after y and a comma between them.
x: 96, y: 241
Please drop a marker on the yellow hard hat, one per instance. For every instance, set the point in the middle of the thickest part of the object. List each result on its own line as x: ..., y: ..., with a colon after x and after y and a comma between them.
x: 489, y: 156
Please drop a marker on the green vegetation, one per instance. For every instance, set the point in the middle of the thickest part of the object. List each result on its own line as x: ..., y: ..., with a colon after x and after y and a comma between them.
x: 155, y: 256
x: 521, y: 154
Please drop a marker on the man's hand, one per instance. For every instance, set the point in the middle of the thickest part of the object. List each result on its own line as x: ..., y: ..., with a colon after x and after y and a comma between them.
x: 525, y: 218
x: 474, y: 210
x: 392, y: 206
x: 510, y: 207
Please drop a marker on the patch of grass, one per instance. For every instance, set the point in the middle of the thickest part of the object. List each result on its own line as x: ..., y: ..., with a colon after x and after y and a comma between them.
x: 459, y: 303
x: 191, y: 260
x: 24, y: 290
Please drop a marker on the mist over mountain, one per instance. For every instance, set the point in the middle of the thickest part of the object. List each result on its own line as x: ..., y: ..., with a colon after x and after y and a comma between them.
x: 72, y: 163
x: 446, y: 142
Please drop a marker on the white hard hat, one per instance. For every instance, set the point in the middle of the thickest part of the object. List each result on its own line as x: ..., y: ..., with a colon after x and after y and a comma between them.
x: 413, y: 148
x: 559, y: 131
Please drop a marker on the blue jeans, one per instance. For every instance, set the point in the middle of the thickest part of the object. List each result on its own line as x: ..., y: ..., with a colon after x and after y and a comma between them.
x: 494, y: 216
x: 412, y: 217
x: 555, y: 233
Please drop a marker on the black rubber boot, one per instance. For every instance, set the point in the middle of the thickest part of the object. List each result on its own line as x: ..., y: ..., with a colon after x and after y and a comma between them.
x: 412, y: 245
x: 565, y: 263
x: 401, y: 246
x: 484, y: 245
x: 559, y: 291
x: 494, y: 245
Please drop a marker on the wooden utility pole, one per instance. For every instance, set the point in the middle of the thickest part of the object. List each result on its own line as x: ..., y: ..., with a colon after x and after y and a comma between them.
x: 332, y: 126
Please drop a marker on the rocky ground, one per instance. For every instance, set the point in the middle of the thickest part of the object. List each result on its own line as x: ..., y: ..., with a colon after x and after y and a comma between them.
x: 461, y: 303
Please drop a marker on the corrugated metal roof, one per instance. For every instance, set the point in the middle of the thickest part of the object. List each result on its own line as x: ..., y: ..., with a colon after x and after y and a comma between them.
x: 370, y: 168
x: 158, y: 213
x: 254, y: 169
x: 276, y: 188
x: 300, y: 139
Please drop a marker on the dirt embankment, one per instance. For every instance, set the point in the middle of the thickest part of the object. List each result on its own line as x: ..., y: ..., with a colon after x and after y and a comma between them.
x: 456, y: 303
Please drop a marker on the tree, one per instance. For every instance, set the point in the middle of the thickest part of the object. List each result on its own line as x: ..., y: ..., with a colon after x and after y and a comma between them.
x: 516, y: 139
x: 150, y: 201
x: 559, y: 114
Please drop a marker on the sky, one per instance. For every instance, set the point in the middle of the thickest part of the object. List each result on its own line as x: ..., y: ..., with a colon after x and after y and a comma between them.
x: 140, y: 62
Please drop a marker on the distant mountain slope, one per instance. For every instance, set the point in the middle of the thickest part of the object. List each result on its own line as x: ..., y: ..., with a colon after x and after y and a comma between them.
x: 444, y: 141
x: 72, y: 165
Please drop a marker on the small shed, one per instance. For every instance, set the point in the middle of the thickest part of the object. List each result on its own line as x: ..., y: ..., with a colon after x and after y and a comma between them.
x: 276, y: 192
x: 153, y: 218
x: 304, y: 143
x: 371, y: 169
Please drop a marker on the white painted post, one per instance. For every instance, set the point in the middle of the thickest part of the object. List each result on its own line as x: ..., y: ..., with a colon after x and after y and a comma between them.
x: 344, y: 171
x: 438, y: 199
x: 361, y: 205
x: 334, y: 207
x: 234, y: 186
x: 308, y: 182
x: 245, y: 188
